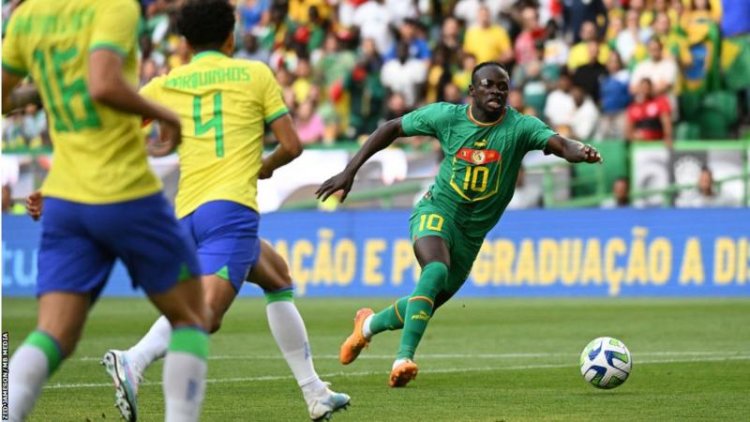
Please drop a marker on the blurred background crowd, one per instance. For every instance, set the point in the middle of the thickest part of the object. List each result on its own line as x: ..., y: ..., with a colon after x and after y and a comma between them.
x: 610, y: 70
x: 592, y: 69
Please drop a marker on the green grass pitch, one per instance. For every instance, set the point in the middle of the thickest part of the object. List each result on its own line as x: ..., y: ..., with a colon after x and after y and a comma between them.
x: 481, y: 360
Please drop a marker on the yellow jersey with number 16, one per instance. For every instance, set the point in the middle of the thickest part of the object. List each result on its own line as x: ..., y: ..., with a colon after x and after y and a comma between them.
x: 99, y: 153
x: 223, y: 104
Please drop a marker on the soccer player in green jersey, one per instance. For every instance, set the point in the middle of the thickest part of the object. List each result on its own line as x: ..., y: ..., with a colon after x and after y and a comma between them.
x: 483, y: 144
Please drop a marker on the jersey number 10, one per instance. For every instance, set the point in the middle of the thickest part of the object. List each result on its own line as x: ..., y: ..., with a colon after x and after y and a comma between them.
x: 476, y: 178
x: 215, y: 123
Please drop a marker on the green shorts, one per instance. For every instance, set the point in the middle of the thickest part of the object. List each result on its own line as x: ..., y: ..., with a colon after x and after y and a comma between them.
x: 430, y: 220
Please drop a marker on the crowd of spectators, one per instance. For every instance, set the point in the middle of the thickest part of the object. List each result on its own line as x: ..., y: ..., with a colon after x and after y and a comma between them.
x: 592, y: 69
x: 705, y: 194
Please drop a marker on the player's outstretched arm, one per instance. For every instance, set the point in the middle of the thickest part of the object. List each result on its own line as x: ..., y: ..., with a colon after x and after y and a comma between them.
x: 107, y: 85
x: 289, y: 147
x: 380, y: 139
x: 572, y: 151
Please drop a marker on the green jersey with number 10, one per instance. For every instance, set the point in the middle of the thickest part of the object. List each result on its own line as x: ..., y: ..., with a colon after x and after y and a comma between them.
x: 477, y: 177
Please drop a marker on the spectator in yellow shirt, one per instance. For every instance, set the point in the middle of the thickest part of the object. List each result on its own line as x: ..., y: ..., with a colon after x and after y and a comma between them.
x: 579, y: 54
x: 645, y: 14
x: 487, y: 41
x: 299, y: 10
x: 302, y: 85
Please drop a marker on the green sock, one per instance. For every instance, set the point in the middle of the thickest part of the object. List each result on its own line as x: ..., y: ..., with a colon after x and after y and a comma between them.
x: 190, y: 340
x: 49, y: 346
x: 283, y: 295
x: 184, y: 373
x: 419, y: 307
x: 390, y: 318
x: 32, y: 363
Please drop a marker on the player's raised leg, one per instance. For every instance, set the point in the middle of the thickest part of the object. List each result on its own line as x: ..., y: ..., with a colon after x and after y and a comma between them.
x: 61, y: 319
x: 272, y: 274
x: 434, y: 257
x: 367, y: 324
x: 390, y: 318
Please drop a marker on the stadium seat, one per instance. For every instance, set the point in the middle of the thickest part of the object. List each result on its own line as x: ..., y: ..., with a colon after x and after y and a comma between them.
x: 724, y: 102
x: 735, y: 62
x: 536, y: 101
x: 615, y: 154
x: 718, y: 113
x: 687, y: 131
x: 713, y: 124
x: 690, y: 104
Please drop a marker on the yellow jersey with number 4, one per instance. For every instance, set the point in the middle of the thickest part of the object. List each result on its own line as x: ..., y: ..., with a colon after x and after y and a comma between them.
x: 99, y: 153
x: 223, y: 104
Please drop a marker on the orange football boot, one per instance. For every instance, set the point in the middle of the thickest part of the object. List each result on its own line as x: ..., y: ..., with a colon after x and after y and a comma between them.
x: 403, y: 373
x: 354, y: 344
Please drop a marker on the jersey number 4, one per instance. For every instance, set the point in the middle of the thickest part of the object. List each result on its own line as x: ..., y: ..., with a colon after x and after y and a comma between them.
x: 215, y: 123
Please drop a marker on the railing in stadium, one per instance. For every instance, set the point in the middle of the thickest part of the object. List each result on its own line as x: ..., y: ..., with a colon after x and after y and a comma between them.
x: 589, y: 186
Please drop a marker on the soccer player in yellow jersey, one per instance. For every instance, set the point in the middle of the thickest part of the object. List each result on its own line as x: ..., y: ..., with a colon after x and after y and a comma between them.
x: 102, y: 200
x: 224, y: 104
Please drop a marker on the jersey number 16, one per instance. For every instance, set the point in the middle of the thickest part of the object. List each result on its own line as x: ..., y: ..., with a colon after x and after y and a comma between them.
x: 65, y: 94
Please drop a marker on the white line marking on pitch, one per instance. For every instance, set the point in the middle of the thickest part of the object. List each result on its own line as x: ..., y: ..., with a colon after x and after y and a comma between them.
x: 430, y: 371
x: 456, y: 355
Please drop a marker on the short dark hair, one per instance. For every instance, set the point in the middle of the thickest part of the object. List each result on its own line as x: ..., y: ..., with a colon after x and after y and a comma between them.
x: 206, y: 24
x: 482, y: 65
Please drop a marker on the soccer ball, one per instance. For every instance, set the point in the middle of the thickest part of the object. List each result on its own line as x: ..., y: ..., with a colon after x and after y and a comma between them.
x: 606, y: 362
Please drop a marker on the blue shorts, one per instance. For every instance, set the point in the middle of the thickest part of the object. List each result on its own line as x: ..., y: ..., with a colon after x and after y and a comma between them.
x: 80, y: 243
x: 225, y: 235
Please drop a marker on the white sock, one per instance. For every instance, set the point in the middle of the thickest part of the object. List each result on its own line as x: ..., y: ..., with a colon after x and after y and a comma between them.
x: 152, y: 346
x: 398, y: 362
x: 26, y: 374
x: 288, y: 329
x: 366, y: 327
x: 184, y: 386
